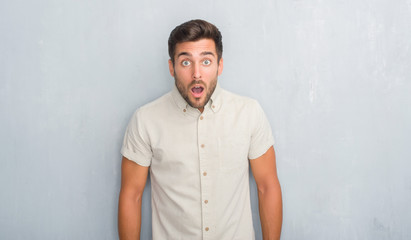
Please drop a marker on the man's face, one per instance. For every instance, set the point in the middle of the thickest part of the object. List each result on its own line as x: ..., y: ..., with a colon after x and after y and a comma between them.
x: 196, y: 70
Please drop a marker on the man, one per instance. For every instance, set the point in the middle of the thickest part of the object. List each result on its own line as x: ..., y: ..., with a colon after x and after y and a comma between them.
x: 198, y: 141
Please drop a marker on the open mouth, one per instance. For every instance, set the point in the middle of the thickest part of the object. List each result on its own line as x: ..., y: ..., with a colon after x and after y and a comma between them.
x: 197, y: 91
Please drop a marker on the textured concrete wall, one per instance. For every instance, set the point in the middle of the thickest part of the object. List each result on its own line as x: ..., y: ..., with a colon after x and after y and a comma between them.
x: 334, y: 78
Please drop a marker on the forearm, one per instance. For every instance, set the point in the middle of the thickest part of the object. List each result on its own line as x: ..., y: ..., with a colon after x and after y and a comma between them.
x: 129, y: 217
x: 270, y: 208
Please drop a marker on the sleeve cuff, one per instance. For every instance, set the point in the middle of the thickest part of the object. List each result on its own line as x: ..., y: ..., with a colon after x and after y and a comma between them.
x: 135, y: 157
x: 260, y: 151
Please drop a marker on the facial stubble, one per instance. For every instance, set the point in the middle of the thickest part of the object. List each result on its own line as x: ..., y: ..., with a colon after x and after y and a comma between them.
x: 184, y: 92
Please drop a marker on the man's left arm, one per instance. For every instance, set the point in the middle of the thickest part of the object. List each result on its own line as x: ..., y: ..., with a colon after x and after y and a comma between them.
x: 269, y: 194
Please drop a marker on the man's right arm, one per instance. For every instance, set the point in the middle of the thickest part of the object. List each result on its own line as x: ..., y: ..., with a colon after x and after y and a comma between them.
x: 133, y: 181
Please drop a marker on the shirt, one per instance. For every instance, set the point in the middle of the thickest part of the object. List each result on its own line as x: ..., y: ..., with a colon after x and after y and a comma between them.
x: 198, y: 162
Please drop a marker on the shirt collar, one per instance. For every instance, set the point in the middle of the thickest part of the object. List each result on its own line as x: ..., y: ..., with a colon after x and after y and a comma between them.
x: 214, y: 103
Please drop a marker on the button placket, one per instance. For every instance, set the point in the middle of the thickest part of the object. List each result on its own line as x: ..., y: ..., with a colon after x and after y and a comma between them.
x: 205, y: 180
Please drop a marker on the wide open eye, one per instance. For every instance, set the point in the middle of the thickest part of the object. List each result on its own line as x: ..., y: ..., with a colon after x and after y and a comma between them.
x: 185, y: 63
x: 206, y: 62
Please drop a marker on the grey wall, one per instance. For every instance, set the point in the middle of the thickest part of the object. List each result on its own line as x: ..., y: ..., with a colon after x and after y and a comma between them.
x: 333, y: 77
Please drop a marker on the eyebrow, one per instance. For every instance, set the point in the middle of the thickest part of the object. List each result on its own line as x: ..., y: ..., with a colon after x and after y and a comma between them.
x: 189, y: 54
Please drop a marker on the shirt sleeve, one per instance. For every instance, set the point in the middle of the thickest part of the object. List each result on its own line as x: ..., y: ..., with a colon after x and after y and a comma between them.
x: 135, y: 145
x: 261, y: 136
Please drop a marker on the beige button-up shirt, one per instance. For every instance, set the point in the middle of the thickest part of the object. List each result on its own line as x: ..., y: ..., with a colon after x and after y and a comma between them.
x: 199, y: 163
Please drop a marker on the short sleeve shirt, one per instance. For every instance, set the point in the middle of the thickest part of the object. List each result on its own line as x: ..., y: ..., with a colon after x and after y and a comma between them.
x: 198, y: 163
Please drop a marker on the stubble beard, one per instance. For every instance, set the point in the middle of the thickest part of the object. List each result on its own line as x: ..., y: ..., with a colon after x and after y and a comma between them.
x: 185, y: 91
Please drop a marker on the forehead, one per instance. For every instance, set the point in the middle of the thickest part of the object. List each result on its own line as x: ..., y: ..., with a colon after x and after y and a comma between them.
x: 196, y: 47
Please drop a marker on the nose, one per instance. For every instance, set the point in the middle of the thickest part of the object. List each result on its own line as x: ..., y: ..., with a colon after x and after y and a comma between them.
x: 196, y: 71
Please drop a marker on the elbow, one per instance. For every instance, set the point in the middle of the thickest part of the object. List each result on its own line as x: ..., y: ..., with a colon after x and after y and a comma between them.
x: 137, y: 197
x: 131, y: 196
x: 271, y: 187
x: 262, y: 190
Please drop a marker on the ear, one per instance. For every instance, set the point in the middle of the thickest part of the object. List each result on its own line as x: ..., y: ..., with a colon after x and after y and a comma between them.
x: 171, y: 67
x: 220, y: 67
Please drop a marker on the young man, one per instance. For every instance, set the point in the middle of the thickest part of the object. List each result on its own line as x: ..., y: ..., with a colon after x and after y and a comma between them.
x: 198, y: 141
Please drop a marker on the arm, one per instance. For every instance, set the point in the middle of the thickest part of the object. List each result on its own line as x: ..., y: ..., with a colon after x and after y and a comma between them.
x: 133, y: 181
x: 269, y: 194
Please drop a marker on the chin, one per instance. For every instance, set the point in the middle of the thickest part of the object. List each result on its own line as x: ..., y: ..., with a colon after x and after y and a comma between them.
x: 196, y: 104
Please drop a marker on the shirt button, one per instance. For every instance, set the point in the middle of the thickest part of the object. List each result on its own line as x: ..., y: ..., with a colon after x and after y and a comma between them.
x: 201, y: 118
x: 205, y: 201
x: 184, y: 110
x: 213, y: 106
x: 207, y: 229
x: 202, y: 146
x: 204, y: 173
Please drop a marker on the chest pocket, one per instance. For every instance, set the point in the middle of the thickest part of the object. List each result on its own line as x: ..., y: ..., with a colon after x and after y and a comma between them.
x: 233, y: 151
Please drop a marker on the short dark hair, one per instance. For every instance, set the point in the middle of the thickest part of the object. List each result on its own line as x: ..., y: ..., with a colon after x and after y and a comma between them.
x: 195, y: 30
